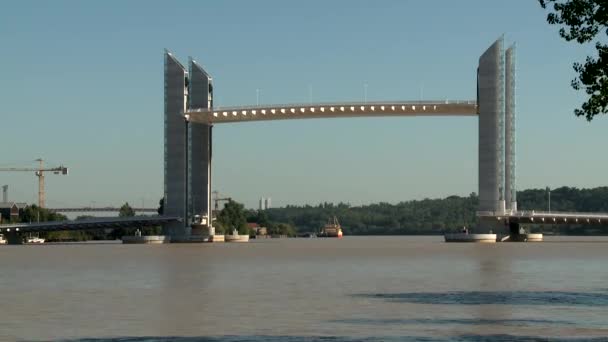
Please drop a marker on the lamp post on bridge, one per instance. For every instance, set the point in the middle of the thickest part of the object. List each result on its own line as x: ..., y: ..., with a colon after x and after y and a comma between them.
x: 549, y: 198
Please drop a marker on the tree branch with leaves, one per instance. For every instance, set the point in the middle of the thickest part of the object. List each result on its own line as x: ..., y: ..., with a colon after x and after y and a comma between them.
x: 585, y: 21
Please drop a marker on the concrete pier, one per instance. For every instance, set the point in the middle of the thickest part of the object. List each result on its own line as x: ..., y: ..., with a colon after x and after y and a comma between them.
x: 524, y: 237
x: 150, y: 239
x: 464, y: 237
x: 13, y: 238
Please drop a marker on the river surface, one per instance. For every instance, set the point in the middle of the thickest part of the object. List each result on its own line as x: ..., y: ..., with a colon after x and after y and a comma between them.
x: 351, y: 289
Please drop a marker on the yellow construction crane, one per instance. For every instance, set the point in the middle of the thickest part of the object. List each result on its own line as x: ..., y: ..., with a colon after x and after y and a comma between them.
x: 39, y: 172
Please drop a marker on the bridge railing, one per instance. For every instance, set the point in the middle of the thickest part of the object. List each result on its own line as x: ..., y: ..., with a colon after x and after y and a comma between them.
x: 99, y: 209
x: 535, y: 213
x: 345, y: 103
x: 570, y: 214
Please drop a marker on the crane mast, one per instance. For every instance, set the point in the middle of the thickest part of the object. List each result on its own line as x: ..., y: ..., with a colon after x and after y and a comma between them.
x: 41, y: 195
x: 217, y: 199
x: 39, y: 172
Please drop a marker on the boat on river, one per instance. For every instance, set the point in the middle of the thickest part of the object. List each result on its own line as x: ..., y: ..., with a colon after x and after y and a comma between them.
x: 331, y: 229
x: 34, y: 240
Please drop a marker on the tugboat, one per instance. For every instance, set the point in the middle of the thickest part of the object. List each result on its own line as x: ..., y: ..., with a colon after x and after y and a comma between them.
x: 331, y: 229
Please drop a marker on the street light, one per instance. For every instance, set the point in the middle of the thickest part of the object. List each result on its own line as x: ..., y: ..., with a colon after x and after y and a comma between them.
x: 549, y: 198
x: 310, y: 94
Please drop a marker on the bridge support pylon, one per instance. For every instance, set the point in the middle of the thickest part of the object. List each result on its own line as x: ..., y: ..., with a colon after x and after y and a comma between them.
x: 14, y: 238
x: 490, y: 100
x: 200, y: 147
x: 176, y: 154
x: 187, y: 160
x: 515, y: 232
x: 496, y: 108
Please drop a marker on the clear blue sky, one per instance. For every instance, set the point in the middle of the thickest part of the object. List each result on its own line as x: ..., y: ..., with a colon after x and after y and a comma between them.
x: 81, y: 84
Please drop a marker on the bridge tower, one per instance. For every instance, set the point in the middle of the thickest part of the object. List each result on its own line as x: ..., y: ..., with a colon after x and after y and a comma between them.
x: 490, y: 100
x: 496, y: 106
x: 175, y: 151
x: 200, y: 142
x: 510, y: 132
x: 187, y: 156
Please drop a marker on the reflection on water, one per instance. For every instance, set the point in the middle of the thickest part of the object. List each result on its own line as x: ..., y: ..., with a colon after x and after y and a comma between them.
x: 497, y: 297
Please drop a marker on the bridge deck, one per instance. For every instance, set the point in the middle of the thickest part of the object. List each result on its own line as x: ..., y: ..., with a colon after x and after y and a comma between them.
x: 103, y: 209
x: 332, y: 110
x: 98, y: 223
x: 547, y: 217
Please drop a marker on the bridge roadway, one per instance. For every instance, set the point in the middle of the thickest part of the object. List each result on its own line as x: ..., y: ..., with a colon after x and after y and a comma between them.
x: 98, y: 223
x: 331, y: 110
x: 100, y: 210
x: 546, y: 217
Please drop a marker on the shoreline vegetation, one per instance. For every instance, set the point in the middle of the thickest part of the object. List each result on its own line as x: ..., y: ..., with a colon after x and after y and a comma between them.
x: 415, y: 217
x: 450, y: 214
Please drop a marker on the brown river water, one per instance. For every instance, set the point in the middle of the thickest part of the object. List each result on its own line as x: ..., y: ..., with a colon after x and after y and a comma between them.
x: 350, y: 289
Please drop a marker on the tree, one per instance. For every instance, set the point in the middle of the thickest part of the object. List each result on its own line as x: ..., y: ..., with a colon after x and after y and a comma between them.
x: 262, y: 218
x: 219, y: 227
x: 584, y: 20
x: 233, y: 217
x: 33, y: 213
x: 161, y: 206
x: 126, y: 210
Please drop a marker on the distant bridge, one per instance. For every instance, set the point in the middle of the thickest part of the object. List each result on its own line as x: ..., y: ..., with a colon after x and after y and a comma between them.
x: 98, y: 223
x: 100, y: 210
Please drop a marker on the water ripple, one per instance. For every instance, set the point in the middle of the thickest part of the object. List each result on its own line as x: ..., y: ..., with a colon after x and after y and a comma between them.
x: 496, y: 297
x: 461, y: 338
x: 463, y: 321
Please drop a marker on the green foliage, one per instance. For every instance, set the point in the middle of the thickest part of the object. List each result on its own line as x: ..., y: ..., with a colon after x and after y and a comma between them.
x: 126, y: 210
x: 154, y: 230
x: 80, y: 235
x: 437, y: 216
x: 161, y: 206
x: 281, y: 229
x: 233, y: 216
x: 219, y: 227
x: 428, y: 216
x: 584, y: 20
x: 33, y: 213
x: 260, y: 217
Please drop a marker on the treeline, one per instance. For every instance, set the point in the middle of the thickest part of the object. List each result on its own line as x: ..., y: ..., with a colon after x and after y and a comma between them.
x: 417, y: 217
x: 235, y: 216
x: 437, y: 216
